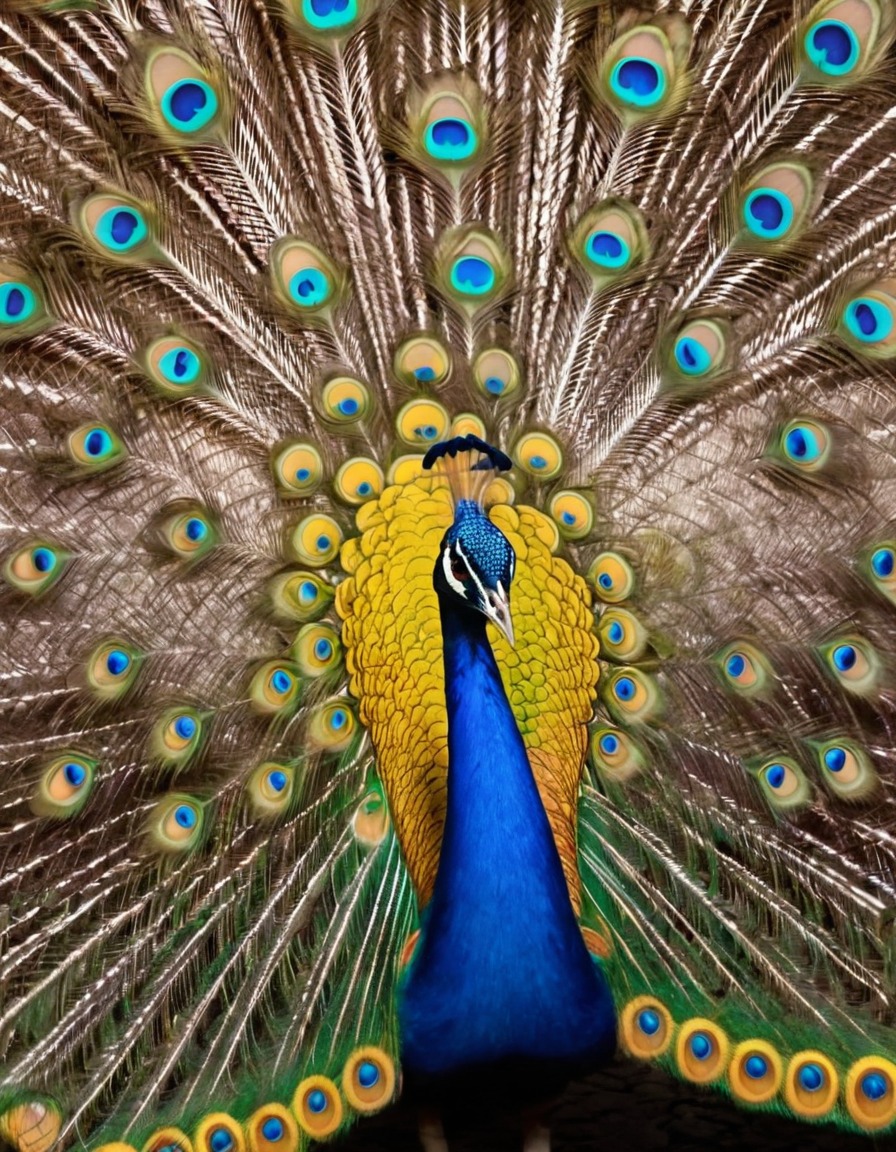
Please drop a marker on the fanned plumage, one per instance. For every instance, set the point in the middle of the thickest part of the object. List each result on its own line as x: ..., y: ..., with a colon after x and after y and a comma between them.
x: 256, y: 258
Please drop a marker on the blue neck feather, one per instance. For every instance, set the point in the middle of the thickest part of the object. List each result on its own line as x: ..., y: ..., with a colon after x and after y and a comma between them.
x: 501, y: 971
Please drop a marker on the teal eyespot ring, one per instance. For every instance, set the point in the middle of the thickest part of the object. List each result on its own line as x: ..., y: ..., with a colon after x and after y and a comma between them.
x: 451, y: 139
x: 638, y: 82
x: 180, y: 366
x: 691, y: 357
x: 189, y: 105
x: 608, y: 250
x: 18, y: 302
x: 768, y: 213
x: 329, y: 15
x: 833, y: 47
x: 868, y: 320
x: 121, y: 228
x: 310, y: 287
x: 472, y: 276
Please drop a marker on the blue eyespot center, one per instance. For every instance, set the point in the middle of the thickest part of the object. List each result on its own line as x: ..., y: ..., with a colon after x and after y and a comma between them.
x: 322, y: 542
x: 180, y: 366
x: 117, y: 662
x: 189, y: 105
x: 736, y: 665
x: 317, y: 1101
x: 609, y: 744
x: 364, y: 488
x: 472, y: 276
x: 185, y: 816
x: 272, y: 1129
x: 649, y: 1021
x: 124, y: 224
x: 775, y: 775
x: 605, y: 580
x: 607, y: 250
x: 424, y: 373
x: 691, y: 357
x: 874, y: 1085
x: 195, y: 529
x: 220, y: 1140
x: 307, y: 592
x: 185, y: 726
x: 768, y: 213
x: 368, y: 1074
x: 281, y: 682
x: 338, y: 719
x: 811, y: 1077
x: 277, y: 780
x: 756, y: 1066
x: 868, y: 319
x: 17, y: 302
x: 615, y: 633
x: 323, y: 649
x: 539, y: 463
x: 75, y: 774
x: 845, y: 657
x: 303, y: 474
x: 43, y: 559
x: 835, y: 759
x: 796, y: 444
x: 883, y: 562
x: 833, y: 47
x: 624, y: 688
x: 701, y: 1045
x: 349, y: 406
x: 329, y: 14
x: 638, y: 81
x: 450, y: 139
x: 309, y: 287
x: 97, y: 443
x: 495, y: 385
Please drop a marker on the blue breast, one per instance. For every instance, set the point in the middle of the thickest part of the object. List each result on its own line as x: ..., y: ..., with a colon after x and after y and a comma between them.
x: 501, y: 971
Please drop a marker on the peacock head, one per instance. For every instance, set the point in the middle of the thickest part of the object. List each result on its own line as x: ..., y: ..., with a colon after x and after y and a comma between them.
x: 475, y: 564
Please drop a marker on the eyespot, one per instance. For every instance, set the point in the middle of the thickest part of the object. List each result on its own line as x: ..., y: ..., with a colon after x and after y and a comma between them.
x: 270, y: 788
x: 177, y: 366
x: 95, y: 447
x: 405, y: 470
x: 318, y: 1107
x: 756, y: 1072
x: 615, y: 753
x: 804, y: 444
x: 610, y: 240
x: 368, y: 1079
x: 632, y: 696
x: 274, y: 688
x: 612, y: 577
x: 272, y: 1129
x: 332, y: 726
x: 316, y: 540
x: 572, y: 513
x: 167, y: 1140
x: 36, y: 567
x: 317, y: 650
x: 297, y: 468
x: 646, y: 1027
x: 845, y: 768
x: 783, y: 784
x: 499, y: 491
x: 870, y: 1093
x: 370, y: 822
x: 622, y: 635
x: 21, y: 303
x: 176, y: 823
x: 177, y: 735
x: 450, y: 125
x: 853, y: 663
x: 182, y: 93
x: 422, y: 422
x: 467, y: 424
x: 811, y: 1084
x: 496, y: 373
x: 839, y: 38
x: 701, y: 1051
x: 219, y: 1133
x: 639, y: 74
x: 699, y: 349
x: 867, y: 321
x: 422, y: 360
x: 33, y: 1126
x: 472, y: 267
x: 190, y: 533
x: 345, y: 400
x: 359, y: 480
x: 114, y: 226
x: 112, y: 669
x: 539, y: 455
x: 300, y: 596
x: 744, y: 668
x: 64, y: 785
x: 879, y: 568
x: 304, y: 278
x: 774, y: 204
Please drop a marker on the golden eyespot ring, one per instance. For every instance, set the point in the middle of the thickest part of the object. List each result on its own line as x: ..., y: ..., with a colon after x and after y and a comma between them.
x: 316, y: 540
x: 359, y: 480
x: 699, y: 349
x: 317, y: 650
x: 804, y: 445
x: 274, y: 688
x: 783, y: 783
x: 615, y: 753
x: 345, y: 400
x: 332, y: 726
x: 496, y: 373
x: 115, y: 226
x: 191, y: 534
x: 270, y: 788
x: 170, y: 1139
x: 622, y: 635
x: 300, y: 595
x: 65, y: 785
x: 368, y: 1079
x: 538, y: 455
x: 177, y: 735
x: 646, y: 1027
x: 572, y: 513
x: 176, y: 823
x: 304, y: 279
x: 701, y: 1050
x: 846, y: 768
x: 756, y: 1072
x: 176, y: 365
x: 112, y: 669
x: 466, y: 424
x: 612, y: 577
x: 499, y: 491
x: 33, y: 1126
x: 422, y: 423
x: 297, y: 468
x: 744, y: 668
x: 95, y: 447
x: 35, y: 567
x: 811, y: 1084
x: 272, y: 1128
x: 422, y: 360
x: 870, y: 1093
x: 853, y: 663
x: 317, y: 1106
x: 370, y: 822
x: 632, y: 695
x: 219, y: 1132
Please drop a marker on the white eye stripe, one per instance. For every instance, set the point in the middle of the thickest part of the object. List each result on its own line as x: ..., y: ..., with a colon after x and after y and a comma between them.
x: 453, y: 581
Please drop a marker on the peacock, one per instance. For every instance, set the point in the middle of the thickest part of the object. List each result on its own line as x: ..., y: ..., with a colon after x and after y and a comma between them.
x: 448, y: 562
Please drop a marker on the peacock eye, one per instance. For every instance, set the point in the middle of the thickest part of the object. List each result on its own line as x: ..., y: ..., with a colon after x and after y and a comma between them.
x: 459, y: 570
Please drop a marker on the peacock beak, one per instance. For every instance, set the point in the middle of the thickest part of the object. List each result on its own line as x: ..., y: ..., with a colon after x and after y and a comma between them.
x: 497, y: 609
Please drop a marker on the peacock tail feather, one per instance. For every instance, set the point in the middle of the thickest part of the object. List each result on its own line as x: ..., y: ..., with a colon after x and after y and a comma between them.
x: 255, y: 258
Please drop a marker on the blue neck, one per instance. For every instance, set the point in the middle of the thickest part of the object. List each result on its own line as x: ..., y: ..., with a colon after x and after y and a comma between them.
x: 501, y: 971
